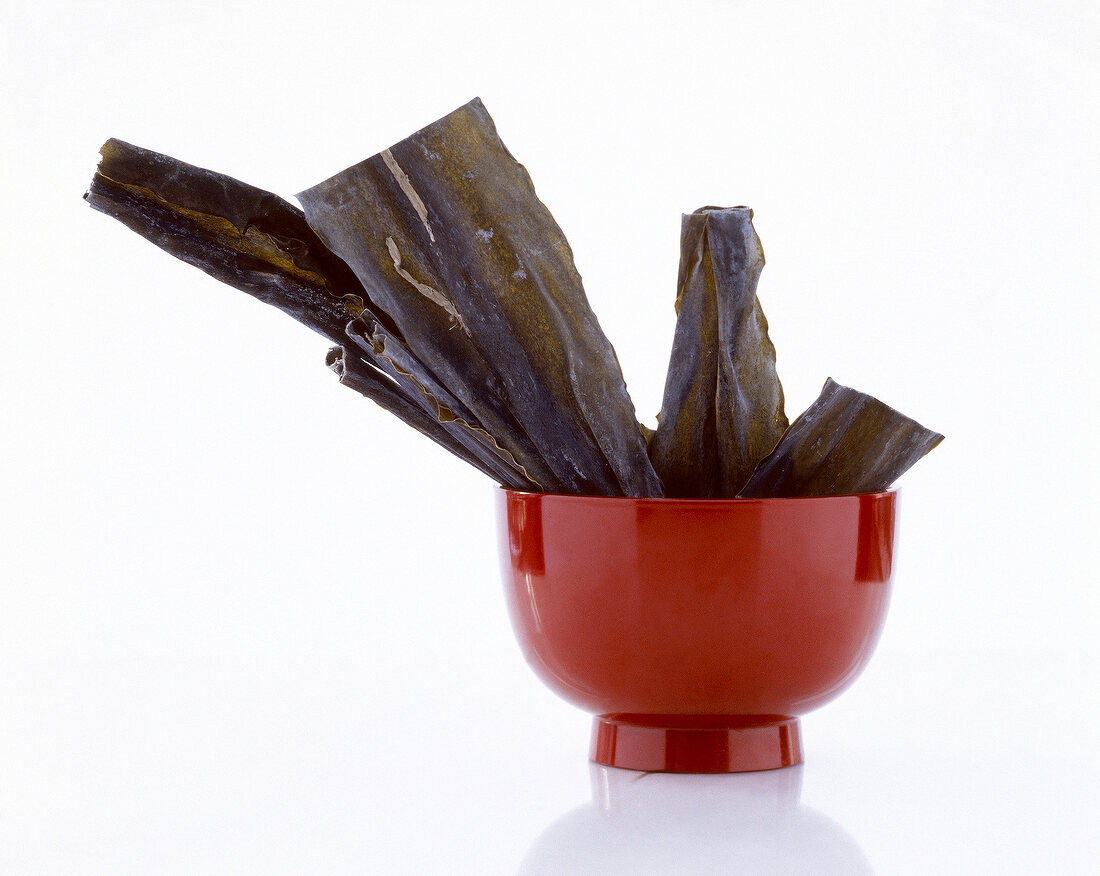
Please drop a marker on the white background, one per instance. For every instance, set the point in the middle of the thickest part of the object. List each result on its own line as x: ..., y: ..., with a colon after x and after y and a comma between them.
x: 250, y: 624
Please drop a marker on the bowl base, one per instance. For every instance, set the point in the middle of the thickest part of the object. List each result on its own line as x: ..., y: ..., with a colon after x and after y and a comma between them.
x: 696, y: 743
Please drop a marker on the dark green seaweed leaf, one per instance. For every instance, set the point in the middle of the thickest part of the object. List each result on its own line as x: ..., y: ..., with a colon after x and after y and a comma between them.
x: 723, y: 404
x: 459, y: 310
x: 359, y: 374
x: 239, y: 234
x: 255, y: 241
x: 445, y: 231
x: 391, y: 356
x: 846, y: 442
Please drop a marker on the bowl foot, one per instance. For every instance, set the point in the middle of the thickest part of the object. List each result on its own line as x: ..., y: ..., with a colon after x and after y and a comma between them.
x: 696, y: 744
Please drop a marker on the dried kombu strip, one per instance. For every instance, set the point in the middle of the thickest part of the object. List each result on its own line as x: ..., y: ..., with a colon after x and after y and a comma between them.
x: 246, y: 237
x: 460, y: 311
x: 391, y: 356
x: 722, y: 410
x: 360, y: 375
x: 445, y: 231
x: 255, y: 241
x: 846, y: 442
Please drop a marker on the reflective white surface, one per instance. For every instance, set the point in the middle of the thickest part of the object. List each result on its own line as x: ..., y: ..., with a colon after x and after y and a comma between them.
x: 661, y: 823
x: 249, y: 624
x: 873, y: 814
x: 517, y: 798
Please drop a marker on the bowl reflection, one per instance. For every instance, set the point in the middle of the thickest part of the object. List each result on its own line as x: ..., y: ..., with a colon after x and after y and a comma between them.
x: 659, y: 823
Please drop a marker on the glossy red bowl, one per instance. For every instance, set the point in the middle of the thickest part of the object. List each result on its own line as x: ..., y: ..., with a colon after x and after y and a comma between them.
x: 697, y: 630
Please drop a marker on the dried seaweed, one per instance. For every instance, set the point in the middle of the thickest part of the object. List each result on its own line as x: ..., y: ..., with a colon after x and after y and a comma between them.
x: 723, y: 404
x: 246, y: 237
x: 390, y: 355
x: 846, y: 442
x: 454, y: 303
x: 445, y: 230
x: 255, y: 241
x: 359, y: 374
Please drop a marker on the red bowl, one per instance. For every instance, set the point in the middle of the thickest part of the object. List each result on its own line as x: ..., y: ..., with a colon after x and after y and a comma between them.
x: 697, y: 630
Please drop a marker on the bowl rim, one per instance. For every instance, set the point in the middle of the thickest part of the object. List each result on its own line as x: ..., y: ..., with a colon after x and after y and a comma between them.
x: 667, y: 501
